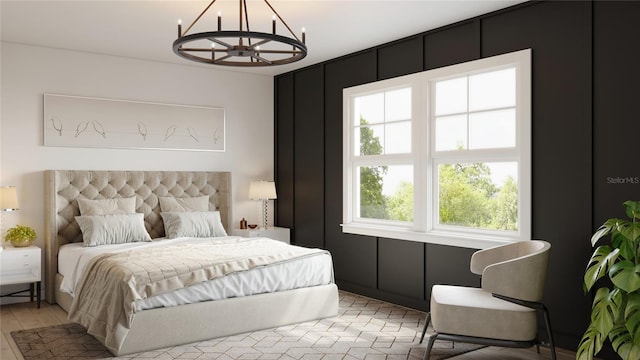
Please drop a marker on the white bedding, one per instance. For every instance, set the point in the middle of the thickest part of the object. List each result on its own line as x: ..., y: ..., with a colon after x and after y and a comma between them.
x: 309, y: 271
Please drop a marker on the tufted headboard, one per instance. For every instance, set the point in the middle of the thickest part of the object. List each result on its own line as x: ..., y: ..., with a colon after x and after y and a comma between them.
x: 64, y: 187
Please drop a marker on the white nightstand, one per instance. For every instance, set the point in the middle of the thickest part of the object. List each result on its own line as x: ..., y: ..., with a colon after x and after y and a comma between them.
x: 275, y: 233
x: 21, y: 265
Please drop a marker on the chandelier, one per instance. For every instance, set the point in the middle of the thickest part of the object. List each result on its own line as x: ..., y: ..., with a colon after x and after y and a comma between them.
x: 241, y: 47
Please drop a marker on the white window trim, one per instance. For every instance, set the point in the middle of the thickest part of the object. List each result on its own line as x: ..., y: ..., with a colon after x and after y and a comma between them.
x: 424, y: 156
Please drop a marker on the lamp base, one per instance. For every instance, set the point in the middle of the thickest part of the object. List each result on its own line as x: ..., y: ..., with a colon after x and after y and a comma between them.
x: 263, y: 226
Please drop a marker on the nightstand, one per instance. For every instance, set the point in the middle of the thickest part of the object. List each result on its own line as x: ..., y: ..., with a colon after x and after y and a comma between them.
x: 272, y: 232
x: 21, y: 265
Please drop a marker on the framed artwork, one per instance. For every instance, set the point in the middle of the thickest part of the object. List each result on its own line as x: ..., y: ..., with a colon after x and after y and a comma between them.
x: 107, y: 123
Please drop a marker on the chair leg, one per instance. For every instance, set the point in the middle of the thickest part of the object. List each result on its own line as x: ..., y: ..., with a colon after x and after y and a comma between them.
x: 432, y: 339
x: 547, y: 322
x: 426, y: 323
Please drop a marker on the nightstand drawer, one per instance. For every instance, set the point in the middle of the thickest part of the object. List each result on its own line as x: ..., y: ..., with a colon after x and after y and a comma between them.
x: 23, y: 260
x: 20, y: 265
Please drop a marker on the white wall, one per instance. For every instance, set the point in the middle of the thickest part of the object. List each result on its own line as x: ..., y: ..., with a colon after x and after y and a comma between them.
x: 27, y: 72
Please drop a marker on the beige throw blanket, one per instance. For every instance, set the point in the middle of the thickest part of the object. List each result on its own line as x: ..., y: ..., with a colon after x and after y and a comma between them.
x: 104, y: 298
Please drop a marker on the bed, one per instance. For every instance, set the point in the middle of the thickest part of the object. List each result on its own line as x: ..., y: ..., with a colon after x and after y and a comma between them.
x: 190, y: 322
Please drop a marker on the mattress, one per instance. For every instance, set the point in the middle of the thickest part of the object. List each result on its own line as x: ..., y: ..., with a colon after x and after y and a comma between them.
x: 298, y: 273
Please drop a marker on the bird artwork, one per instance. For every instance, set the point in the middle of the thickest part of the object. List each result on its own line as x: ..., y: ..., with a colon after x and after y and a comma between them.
x: 99, y: 129
x: 142, y: 129
x: 81, y: 128
x: 169, y: 133
x: 57, y: 124
x: 193, y: 133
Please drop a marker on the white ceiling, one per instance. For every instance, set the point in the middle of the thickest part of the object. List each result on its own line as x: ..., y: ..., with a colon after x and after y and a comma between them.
x: 145, y: 29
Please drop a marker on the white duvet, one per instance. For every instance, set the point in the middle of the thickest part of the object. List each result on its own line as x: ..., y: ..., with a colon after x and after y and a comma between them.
x: 304, y: 272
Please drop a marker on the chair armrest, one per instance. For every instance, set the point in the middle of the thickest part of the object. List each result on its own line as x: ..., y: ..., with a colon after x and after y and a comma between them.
x: 521, y: 278
x: 483, y: 258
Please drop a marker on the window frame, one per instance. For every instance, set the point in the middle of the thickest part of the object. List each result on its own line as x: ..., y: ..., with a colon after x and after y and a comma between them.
x: 425, y: 159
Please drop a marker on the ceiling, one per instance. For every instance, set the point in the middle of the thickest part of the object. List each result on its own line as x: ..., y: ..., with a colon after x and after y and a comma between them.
x: 145, y: 29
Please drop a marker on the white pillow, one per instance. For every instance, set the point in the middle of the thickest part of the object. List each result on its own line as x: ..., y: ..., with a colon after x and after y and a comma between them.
x: 107, y: 206
x: 193, y: 224
x: 112, y: 229
x: 171, y: 204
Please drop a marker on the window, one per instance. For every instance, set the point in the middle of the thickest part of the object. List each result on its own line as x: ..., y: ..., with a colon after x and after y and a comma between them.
x: 441, y: 156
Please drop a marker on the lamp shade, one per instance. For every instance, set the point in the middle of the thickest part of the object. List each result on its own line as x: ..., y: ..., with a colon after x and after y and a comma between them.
x: 8, y: 198
x: 262, y: 190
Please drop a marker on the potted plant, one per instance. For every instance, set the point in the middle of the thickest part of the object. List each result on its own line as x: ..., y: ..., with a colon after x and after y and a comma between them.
x: 615, y: 314
x: 20, y: 236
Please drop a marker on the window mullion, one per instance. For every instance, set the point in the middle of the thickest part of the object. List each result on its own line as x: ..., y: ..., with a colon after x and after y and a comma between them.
x: 467, y: 115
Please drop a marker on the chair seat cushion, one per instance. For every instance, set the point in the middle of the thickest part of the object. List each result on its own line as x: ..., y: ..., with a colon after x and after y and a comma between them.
x: 474, y: 312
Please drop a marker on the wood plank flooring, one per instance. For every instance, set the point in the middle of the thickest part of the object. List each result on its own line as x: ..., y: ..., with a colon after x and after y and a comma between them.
x: 27, y: 316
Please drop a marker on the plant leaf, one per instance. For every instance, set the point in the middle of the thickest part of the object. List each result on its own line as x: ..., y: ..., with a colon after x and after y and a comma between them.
x: 627, y: 247
x: 603, y: 230
x: 599, y: 264
x: 632, y: 317
x: 632, y: 209
x: 631, y: 231
x: 625, y: 275
x: 605, y: 310
x: 590, y: 344
x: 622, y: 343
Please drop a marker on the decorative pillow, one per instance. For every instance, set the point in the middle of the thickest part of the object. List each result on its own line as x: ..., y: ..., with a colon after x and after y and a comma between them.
x: 107, y: 206
x: 112, y: 229
x: 193, y: 224
x: 171, y: 204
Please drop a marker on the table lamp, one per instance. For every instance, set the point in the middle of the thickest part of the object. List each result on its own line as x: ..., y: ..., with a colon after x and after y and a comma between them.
x: 8, y: 198
x: 264, y: 191
x: 8, y: 202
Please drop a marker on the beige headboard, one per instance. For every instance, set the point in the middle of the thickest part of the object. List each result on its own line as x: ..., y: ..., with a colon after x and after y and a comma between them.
x: 64, y: 187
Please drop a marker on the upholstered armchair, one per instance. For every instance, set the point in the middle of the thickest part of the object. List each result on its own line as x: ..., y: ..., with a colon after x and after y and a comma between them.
x: 504, y: 311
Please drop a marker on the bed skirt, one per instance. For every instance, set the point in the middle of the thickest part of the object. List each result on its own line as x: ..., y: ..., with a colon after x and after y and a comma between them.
x: 213, y: 319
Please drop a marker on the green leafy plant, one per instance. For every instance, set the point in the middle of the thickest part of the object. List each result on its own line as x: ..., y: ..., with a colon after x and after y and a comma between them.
x: 20, y: 233
x: 615, y: 313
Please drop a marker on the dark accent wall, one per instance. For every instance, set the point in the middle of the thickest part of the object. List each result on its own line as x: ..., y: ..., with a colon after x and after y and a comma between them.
x: 562, y: 135
x: 585, y: 68
x: 616, y: 121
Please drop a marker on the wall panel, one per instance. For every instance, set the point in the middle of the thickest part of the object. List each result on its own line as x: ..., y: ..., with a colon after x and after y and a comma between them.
x: 616, y: 126
x: 616, y: 179
x: 400, y: 267
x: 400, y: 58
x: 284, y: 150
x: 354, y: 256
x: 309, y: 157
x: 452, y: 45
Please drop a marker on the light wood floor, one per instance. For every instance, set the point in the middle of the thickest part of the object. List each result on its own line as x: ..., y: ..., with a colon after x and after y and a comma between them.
x: 27, y: 316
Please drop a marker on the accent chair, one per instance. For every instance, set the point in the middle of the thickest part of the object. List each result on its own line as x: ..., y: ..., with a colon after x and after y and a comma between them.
x: 504, y: 310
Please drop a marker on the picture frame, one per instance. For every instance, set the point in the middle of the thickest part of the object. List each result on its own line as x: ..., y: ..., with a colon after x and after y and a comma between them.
x: 75, y: 121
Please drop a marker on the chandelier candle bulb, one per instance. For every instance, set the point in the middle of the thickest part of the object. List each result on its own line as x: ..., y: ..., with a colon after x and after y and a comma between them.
x: 219, y: 21
x: 303, y: 36
x: 273, y: 24
x: 179, y: 28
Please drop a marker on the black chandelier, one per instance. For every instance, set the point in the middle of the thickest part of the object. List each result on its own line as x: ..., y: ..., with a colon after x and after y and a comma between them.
x: 240, y: 47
